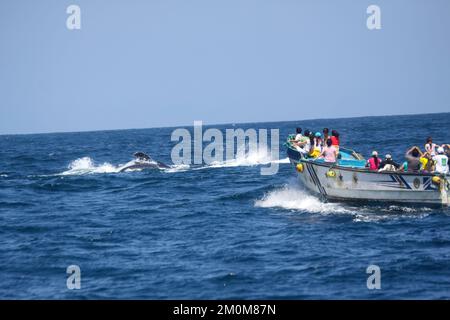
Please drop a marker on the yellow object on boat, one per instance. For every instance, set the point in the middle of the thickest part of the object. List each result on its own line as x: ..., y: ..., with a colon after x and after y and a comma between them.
x: 331, y: 174
x: 316, y: 152
x: 299, y: 167
x: 436, y: 180
x: 423, y: 163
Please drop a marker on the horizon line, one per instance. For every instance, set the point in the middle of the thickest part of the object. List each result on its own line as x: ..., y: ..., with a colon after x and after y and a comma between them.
x: 217, y: 124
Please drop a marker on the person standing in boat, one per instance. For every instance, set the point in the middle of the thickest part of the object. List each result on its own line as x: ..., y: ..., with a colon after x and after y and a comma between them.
x: 441, y: 161
x: 413, y: 159
x: 430, y: 147
x: 374, y: 162
x: 329, y: 152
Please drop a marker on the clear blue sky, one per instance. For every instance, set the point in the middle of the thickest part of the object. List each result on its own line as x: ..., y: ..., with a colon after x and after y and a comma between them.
x: 139, y: 64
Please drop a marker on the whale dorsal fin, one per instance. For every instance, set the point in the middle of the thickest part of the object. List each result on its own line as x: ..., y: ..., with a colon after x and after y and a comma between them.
x: 142, y: 156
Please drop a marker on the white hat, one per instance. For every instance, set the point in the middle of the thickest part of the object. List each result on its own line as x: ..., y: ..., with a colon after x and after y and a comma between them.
x: 388, y: 156
x: 440, y: 150
x: 374, y: 153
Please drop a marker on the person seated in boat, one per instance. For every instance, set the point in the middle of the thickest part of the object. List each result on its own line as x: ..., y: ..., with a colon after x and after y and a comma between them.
x: 447, y: 152
x: 426, y: 163
x: 298, y: 134
x: 306, y: 141
x: 335, y: 139
x: 329, y: 152
x: 441, y: 161
x: 295, y: 138
x: 413, y: 159
x: 300, y: 141
x: 317, y: 144
x: 374, y: 162
x: 388, y: 164
x: 310, y: 144
x: 430, y: 147
x: 446, y: 149
x: 403, y: 167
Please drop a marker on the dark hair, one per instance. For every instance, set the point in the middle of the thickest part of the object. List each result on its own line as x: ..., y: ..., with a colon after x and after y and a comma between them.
x: 335, y: 133
x: 415, y: 153
x: 307, y: 132
x: 326, y: 130
x: 429, y: 139
x: 329, y: 142
x: 298, y: 130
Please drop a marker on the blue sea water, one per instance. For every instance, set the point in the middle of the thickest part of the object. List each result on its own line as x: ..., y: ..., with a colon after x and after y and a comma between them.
x: 209, y: 232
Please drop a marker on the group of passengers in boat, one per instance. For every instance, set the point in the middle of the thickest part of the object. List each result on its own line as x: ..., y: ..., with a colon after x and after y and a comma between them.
x: 317, y: 145
x: 326, y: 146
x: 433, y: 160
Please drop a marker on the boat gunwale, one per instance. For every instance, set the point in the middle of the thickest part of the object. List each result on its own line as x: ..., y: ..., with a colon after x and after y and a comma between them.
x: 333, y: 165
x: 362, y: 170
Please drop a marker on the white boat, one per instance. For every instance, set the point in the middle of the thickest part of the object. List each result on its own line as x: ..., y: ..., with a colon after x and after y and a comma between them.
x: 349, y: 180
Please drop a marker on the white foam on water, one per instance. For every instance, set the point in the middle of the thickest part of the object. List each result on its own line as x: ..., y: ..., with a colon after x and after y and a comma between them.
x: 251, y: 157
x: 3, y: 176
x: 86, y: 165
x: 392, y: 212
x: 377, y: 217
x: 294, y: 198
x: 177, y: 168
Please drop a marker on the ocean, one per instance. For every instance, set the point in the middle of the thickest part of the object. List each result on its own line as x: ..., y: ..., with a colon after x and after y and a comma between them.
x: 220, y: 231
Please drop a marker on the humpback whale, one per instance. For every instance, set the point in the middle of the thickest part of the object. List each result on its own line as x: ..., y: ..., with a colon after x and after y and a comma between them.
x: 143, y: 161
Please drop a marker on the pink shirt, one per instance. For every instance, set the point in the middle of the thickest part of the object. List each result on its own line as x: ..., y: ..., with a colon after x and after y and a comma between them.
x: 329, y: 154
x: 372, y: 164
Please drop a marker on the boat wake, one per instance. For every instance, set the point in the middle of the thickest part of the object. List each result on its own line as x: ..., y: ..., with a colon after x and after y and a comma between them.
x: 292, y: 197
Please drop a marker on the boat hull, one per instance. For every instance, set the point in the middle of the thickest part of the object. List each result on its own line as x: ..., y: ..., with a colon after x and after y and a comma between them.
x: 348, y: 184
